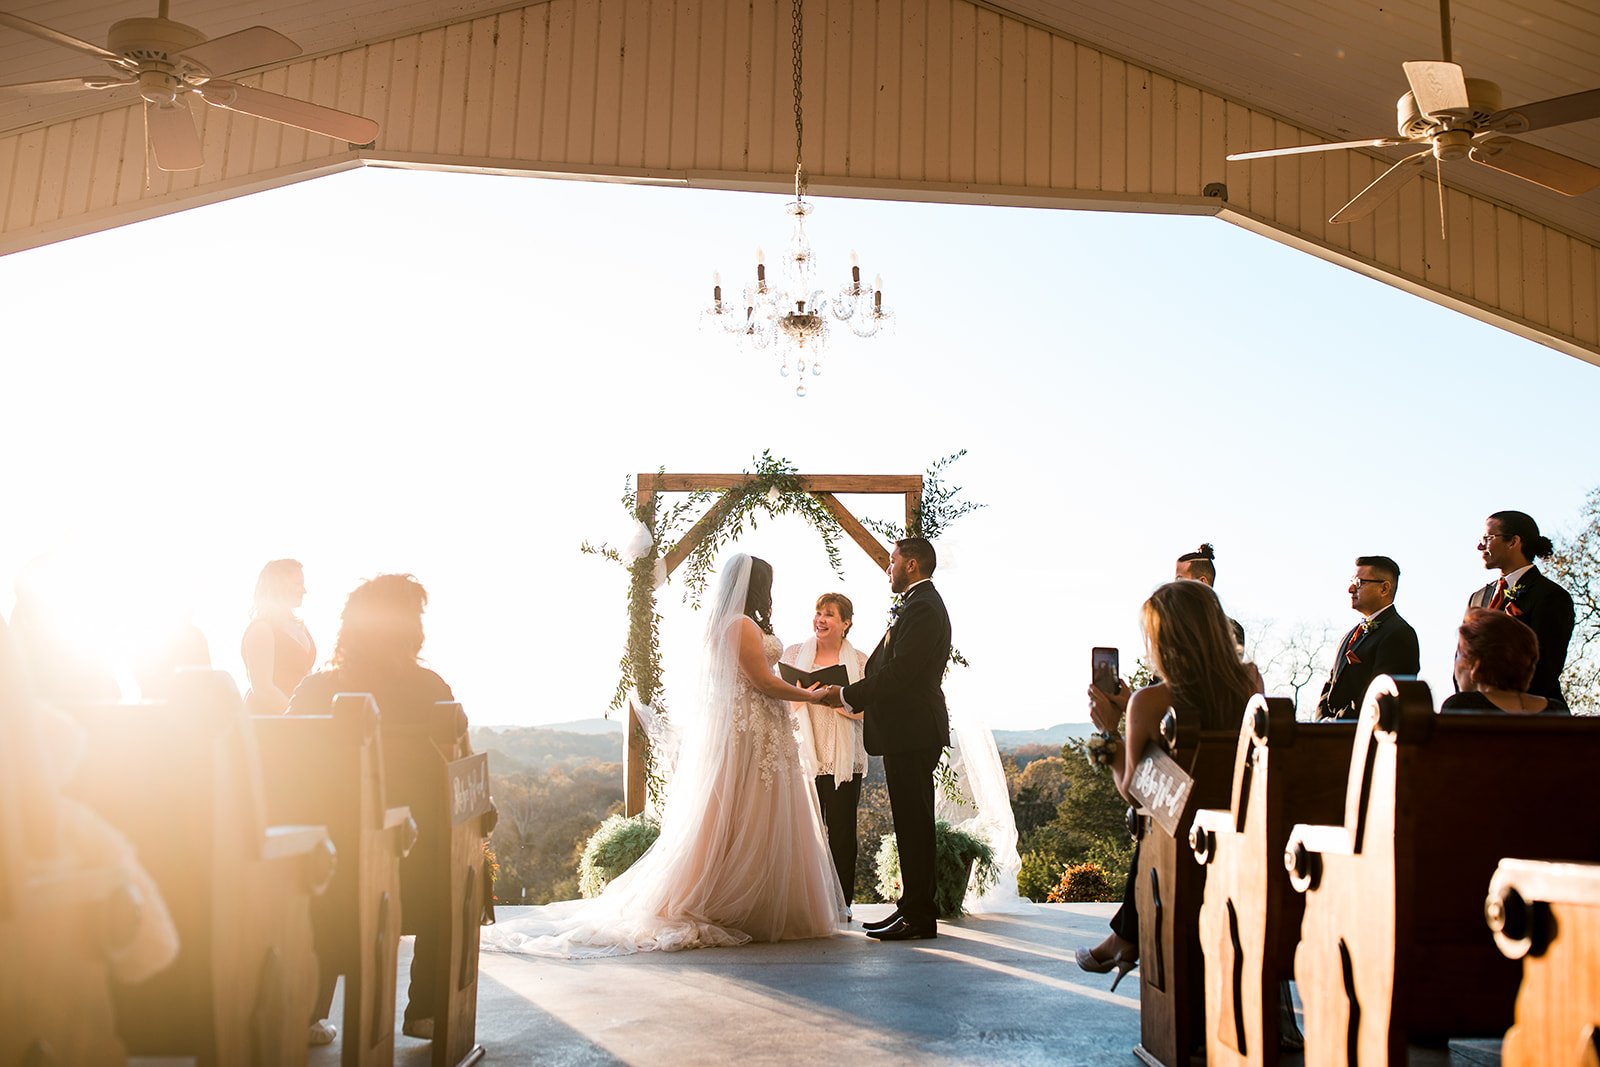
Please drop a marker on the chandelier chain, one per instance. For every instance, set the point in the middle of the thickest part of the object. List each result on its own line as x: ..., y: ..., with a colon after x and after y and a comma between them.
x: 799, y: 120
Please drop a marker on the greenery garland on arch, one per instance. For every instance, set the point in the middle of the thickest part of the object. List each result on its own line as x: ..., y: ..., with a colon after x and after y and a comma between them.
x: 774, y: 489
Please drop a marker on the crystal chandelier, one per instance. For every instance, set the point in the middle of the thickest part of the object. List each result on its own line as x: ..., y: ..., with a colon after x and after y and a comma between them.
x: 793, y: 315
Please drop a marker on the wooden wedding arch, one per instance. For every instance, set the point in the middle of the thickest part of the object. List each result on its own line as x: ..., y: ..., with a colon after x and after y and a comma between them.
x: 824, y: 487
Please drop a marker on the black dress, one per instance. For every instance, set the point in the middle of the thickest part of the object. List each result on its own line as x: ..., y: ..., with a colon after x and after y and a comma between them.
x: 1480, y: 702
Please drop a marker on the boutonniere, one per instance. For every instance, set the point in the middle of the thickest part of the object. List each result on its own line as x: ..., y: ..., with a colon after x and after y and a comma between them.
x: 1509, y: 606
x: 898, y: 602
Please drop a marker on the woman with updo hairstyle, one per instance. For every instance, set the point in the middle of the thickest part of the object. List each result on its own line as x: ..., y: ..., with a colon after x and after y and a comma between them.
x: 1495, y: 659
x: 377, y: 651
x: 839, y: 750
x: 277, y: 648
x: 1190, y: 648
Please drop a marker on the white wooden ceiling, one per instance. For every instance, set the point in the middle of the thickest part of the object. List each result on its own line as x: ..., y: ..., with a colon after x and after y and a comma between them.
x: 1327, y: 65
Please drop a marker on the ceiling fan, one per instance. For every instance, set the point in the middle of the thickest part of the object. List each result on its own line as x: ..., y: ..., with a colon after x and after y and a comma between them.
x: 168, y: 60
x: 1452, y: 117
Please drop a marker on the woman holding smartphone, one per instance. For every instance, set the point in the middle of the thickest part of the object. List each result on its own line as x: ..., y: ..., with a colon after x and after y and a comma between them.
x: 1191, y: 649
x: 839, y: 753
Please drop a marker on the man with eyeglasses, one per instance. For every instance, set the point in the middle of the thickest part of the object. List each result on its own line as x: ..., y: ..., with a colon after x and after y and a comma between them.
x: 1381, y: 643
x: 1510, y: 543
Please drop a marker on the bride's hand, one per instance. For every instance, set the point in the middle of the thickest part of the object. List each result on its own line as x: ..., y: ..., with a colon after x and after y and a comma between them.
x: 854, y: 716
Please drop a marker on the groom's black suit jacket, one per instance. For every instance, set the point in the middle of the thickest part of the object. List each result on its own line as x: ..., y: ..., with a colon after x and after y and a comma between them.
x: 1547, y: 609
x: 901, y: 696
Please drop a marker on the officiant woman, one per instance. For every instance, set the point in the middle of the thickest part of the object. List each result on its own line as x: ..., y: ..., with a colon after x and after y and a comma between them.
x: 840, y: 754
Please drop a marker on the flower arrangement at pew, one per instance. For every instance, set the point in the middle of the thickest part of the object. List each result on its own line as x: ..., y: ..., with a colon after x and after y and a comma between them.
x: 960, y: 859
x: 612, y: 849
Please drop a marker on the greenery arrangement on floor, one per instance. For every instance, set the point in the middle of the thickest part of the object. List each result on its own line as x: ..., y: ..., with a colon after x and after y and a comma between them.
x: 612, y: 849
x: 960, y: 859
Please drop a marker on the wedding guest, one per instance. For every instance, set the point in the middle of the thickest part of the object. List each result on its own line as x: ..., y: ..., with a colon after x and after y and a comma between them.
x: 1381, y: 643
x: 1190, y: 647
x: 377, y: 651
x: 1201, y: 566
x: 1495, y: 659
x: 277, y: 648
x: 839, y: 752
x: 1510, y: 543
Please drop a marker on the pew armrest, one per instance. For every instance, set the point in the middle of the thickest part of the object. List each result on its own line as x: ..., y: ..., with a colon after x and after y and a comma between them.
x: 398, y: 822
x: 283, y: 842
x: 308, y: 846
x: 1208, y: 823
x: 1307, y: 845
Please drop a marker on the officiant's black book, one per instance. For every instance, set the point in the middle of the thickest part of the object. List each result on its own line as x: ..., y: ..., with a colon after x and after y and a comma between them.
x: 834, y: 675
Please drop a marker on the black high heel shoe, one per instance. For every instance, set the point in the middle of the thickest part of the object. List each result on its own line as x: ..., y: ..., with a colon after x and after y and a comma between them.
x: 1122, y: 962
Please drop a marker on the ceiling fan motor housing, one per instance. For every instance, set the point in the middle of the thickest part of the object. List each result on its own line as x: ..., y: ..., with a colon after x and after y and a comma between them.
x: 1483, y: 99
x: 146, y: 40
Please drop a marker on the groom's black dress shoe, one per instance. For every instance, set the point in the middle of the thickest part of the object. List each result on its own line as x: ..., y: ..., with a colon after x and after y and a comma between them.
x: 903, y: 930
x: 882, y: 924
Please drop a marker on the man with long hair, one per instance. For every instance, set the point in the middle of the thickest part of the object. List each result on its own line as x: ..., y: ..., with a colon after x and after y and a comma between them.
x: 1510, y: 543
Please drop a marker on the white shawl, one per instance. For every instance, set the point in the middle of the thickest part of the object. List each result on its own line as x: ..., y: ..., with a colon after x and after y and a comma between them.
x: 847, y: 732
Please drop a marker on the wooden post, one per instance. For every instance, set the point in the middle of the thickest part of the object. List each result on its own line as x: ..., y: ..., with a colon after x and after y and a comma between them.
x: 634, y: 782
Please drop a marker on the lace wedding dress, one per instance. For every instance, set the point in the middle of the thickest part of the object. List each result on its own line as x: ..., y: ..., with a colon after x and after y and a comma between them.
x: 741, y: 856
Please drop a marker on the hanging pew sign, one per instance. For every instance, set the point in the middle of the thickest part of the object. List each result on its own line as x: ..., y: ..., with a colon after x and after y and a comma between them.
x: 469, y: 787
x: 1161, y: 787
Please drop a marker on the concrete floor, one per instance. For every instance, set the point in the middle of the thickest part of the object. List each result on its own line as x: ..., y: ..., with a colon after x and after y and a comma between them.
x: 992, y: 990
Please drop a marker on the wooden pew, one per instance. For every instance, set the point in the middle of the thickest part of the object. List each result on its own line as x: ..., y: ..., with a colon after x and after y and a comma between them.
x: 1194, y: 772
x: 1284, y: 772
x: 58, y: 917
x: 328, y: 769
x: 428, y: 769
x: 1393, y: 945
x: 1548, y: 916
x: 182, y: 781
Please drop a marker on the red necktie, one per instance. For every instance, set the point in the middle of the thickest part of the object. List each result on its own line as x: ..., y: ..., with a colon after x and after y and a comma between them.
x: 1498, y: 601
x: 1350, y: 643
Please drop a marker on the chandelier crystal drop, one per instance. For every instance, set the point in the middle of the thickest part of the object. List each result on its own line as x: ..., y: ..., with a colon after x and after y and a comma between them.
x: 794, y: 314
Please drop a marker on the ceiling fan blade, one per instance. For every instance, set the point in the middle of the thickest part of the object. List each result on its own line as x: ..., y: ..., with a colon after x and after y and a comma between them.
x: 1375, y: 142
x: 1387, y: 184
x: 1541, y: 114
x: 63, y: 85
x: 254, y: 47
x: 1437, y: 87
x: 65, y: 40
x: 173, y: 137
x: 1572, y: 177
x: 303, y: 114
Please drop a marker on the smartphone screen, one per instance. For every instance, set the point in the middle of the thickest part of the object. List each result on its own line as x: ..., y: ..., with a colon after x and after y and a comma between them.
x: 1104, y: 669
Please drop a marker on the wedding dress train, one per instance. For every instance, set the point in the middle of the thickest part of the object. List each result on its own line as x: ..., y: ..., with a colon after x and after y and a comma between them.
x: 741, y: 856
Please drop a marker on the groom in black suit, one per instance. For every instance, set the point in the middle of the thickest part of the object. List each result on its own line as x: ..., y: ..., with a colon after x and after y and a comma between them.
x: 906, y: 722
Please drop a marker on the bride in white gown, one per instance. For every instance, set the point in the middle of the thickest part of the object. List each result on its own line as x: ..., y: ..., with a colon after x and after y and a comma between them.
x: 741, y: 856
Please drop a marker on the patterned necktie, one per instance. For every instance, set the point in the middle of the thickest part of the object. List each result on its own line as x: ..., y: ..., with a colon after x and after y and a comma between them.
x: 1349, y: 645
x: 1498, y: 601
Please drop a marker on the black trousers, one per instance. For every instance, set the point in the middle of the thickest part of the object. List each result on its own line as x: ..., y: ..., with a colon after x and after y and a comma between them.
x: 1125, y: 923
x: 909, y: 776
x: 839, y: 802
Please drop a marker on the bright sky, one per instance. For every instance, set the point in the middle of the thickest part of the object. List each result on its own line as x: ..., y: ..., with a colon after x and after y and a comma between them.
x: 451, y: 375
